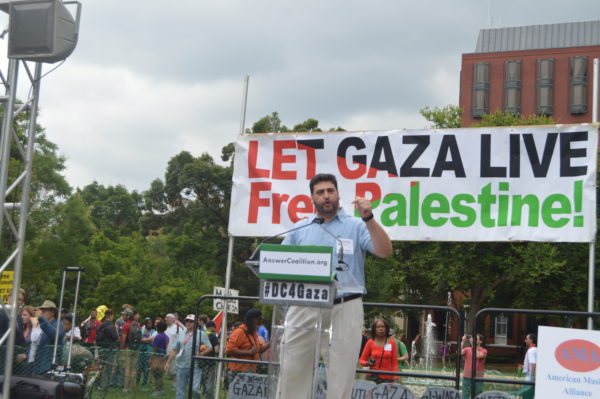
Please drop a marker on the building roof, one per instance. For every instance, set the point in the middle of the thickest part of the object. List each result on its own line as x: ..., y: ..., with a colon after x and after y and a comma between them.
x: 535, y: 37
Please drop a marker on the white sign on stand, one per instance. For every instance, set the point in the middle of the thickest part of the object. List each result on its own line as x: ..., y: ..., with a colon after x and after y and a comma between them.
x: 219, y: 304
x: 568, y: 363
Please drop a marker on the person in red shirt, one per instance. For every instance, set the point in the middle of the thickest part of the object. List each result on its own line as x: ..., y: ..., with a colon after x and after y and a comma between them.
x: 380, y: 353
x: 467, y: 352
x: 129, y: 345
x: 89, y: 327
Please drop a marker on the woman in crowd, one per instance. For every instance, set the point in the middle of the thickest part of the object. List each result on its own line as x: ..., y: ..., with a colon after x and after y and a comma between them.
x: 467, y: 353
x: 30, y: 335
x: 148, y: 333
x: 159, y: 356
x: 244, y: 344
x: 380, y: 353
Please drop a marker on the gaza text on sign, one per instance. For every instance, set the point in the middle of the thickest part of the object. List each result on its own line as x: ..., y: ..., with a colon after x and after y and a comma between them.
x: 485, y: 184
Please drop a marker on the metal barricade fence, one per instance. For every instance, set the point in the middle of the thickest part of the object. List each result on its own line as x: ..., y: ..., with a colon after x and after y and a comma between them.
x: 453, y: 378
x: 538, y: 312
x: 107, y: 370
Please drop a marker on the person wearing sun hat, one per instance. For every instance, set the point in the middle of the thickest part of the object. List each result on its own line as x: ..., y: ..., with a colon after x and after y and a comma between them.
x: 182, y: 353
x: 47, y: 313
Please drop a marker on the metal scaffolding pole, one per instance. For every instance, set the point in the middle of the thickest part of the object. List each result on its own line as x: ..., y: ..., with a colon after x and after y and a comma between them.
x: 592, y: 255
x: 230, y: 249
x: 10, y: 184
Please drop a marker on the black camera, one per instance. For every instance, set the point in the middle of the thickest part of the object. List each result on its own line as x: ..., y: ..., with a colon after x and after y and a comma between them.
x: 372, y: 361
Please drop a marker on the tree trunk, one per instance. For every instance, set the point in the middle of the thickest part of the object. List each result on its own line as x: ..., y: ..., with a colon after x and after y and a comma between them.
x: 477, y: 300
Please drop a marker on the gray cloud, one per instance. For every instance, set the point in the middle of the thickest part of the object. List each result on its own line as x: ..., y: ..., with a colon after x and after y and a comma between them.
x: 151, y: 78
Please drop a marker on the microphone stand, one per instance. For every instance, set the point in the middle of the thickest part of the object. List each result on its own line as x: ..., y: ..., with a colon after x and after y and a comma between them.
x: 253, y: 261
x: 341, y: 262
x: 341, y: 266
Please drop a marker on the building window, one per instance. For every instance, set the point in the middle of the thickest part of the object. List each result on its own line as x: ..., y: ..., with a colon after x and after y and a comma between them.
x: 545, y: 87
x: 501, y: 330
x: 578, y: 85
x: 481, y: 89
x: 512, y: 87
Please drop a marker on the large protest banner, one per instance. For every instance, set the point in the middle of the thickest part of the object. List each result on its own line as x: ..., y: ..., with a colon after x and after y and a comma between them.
x: 485, y: 184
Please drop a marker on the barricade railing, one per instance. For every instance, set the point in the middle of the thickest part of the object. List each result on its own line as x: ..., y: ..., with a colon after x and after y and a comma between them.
x: 537, y: 312
x: 106, y: 365
x: 426, y: 375
x: 102, y: 367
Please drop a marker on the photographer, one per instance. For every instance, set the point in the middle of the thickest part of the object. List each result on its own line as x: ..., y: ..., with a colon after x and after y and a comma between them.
x: 467, y: 353
x: 380, y: 353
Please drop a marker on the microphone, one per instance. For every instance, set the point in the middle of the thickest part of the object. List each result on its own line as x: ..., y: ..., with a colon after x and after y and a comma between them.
x: 341, y: 244
x: 317, y: 220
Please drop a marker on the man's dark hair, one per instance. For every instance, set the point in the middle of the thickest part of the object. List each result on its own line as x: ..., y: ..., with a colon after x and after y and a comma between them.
x: 533, y: 338
x: 108, y: 313
x: 161, y: 326
x: 211, y: 323
x: 320, y: 178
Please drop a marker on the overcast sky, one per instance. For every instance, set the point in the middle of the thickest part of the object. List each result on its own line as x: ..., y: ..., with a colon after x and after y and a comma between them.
x: 151, y: 78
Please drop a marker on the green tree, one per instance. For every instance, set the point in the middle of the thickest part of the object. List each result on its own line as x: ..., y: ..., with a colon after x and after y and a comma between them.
x: 191, y: 208
x: 309, y: 125
x: 62, y: 243
x: 269, y: 124
x: 499, y: 118
x: 48, y: 185
x: 47, y: 211
x: 526, y: 274
x: 272, y: 124
x: 446, y: 117
x: 113, y: 209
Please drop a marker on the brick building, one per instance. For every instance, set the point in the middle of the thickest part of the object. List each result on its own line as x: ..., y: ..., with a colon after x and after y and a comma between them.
x: 538, y: 69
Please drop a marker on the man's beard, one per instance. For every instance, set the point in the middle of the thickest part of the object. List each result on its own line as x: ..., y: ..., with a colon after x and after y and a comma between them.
x: 321, y: 210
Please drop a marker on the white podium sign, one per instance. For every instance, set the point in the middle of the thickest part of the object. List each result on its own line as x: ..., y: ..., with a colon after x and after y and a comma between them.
x: 568, y: 363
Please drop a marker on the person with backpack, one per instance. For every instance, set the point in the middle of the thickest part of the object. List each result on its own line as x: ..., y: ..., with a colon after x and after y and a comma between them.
x: 106, y: 340
x: 129, y: 341
x: 89, y: 327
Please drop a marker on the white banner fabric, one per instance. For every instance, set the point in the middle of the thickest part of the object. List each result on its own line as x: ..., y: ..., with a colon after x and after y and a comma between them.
x: 473, y: 184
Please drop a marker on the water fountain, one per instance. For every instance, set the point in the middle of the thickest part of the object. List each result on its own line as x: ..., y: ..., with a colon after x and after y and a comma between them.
x: 413, y: 351
x: 427, y: 348
x: 429, y: 352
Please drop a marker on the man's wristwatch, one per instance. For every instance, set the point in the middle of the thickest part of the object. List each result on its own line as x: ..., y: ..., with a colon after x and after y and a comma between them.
x: 367, y: 218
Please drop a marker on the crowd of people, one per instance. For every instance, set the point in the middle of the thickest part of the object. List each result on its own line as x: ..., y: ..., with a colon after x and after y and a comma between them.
x: 132, y: 350
x: 137, y: 351
x: 157, y: 347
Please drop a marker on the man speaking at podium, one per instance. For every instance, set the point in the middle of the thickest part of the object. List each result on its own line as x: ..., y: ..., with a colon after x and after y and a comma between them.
x: 335, y: 228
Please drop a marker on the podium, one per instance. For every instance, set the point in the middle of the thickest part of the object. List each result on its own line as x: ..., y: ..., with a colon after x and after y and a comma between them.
x: 299, y: 280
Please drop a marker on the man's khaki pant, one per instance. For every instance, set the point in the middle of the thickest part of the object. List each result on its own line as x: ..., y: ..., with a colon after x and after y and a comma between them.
x: 298, y: 350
